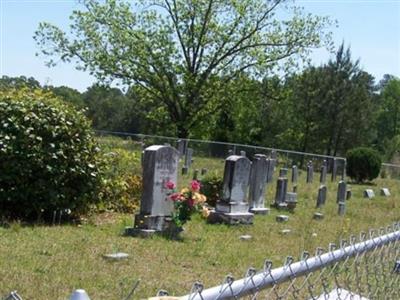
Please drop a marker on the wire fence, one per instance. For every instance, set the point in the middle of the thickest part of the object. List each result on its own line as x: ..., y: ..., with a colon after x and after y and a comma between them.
x: 189, y: 148
x: 367, y: 268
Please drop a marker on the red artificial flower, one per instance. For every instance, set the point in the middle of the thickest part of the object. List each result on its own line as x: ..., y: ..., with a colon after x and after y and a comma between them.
x: 195, y: 185
x: 190, y: 203
x: 175, y: 196
x: 170, y: 185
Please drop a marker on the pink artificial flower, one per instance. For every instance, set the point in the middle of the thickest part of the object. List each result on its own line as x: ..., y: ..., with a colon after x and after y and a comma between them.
x: 175, y: 196
x: 190, y: 203
x: 195, y: 185
x: 170, y: 185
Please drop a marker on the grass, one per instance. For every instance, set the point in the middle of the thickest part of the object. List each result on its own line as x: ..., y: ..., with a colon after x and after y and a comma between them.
x: 43, y: 262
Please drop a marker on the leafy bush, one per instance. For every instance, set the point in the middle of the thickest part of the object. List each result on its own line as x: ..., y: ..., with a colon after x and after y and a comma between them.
x: 363, y: 164
x: 121, y: 188
x: 48, y: 157
x: 211, y: 187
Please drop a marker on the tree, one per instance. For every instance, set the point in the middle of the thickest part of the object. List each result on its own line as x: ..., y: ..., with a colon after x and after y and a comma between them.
x: 173, y: 48
x: 389, y: 116
x: 68, y: 94
x: 7, y: 82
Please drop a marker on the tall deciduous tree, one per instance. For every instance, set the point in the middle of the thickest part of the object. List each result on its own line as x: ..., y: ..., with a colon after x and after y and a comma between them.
x: 172, y: 48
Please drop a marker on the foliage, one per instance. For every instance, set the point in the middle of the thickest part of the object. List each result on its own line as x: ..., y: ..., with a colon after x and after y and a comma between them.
x: 186, y: 202
x: 7, y: 82
x: 48, y: 157
x: 173, y: 49
x: 212, y: 188
x: 363, y: 163
x: 69, y: 95
x: 121, y: 187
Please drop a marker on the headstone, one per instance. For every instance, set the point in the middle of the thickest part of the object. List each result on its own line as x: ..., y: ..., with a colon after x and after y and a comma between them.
x: 310, y: 172
x: 348, y: 194
x: 369, y: 193
x: 271, y: 167
x: 258, y: 180
x: 243, y: 153
x: 273, y: 154
x: 230, y: 152
x: 196, y: 174
x: 79, y: 295
x: 184, y: 170
x: 181, y: 145
x: 281, y: 190
x: 188, y: 157
x: 295, y: 173
x: 232, y: 208
x: 385, y: 192
x: 322, y: 178
x: 341, y: 208
x: 160, y: 166
x: 341, y: 193
x: 283, y: 172
x: 282, y: 218
x: 334, y: 169
x: 116, y: 256
x: 318, y: 216
x: 291, y: 200
x: 295, y: 189
x: 321, y: 196
x: 204, y: 171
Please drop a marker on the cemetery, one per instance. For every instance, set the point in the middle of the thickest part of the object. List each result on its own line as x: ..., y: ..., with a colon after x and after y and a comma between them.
x: 199, y: 150
x: 252, y: 218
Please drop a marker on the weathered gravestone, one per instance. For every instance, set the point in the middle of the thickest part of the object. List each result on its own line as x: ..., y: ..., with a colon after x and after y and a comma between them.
x: 283, y: 172
x: 369, y: 193
x: 258, y: 180
x: 184, y: 170
x: 341, y: 208
x: 271, y: 167
x: 348, y: 194
x: 295, y: 174
x: 385, y: 192
x: 310, y: 172
x: 232, y: 208
x: 322, y: 178
x: 188, y: 157
x: 196, y: 174
x: 321, y: 199
x: 291, y: 200
x: 281, y: 190
x: 334, y: 169
x: 242, y: 153
x: 342, y: 192
x: 160, y: 166
x: 181, y: 145
x: 204, y: 171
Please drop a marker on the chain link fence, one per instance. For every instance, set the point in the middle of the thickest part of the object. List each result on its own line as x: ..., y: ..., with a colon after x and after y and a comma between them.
x: 363, y: 268
x: 189, y: 148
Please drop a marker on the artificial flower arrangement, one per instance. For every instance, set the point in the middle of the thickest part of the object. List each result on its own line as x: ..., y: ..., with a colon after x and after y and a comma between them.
x: 186, y: 202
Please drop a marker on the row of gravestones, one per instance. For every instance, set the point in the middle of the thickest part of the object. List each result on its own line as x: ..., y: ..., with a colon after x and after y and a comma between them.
x: 160, y: 165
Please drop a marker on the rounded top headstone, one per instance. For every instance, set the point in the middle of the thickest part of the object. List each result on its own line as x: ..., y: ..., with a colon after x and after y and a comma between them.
x: 79, y: 295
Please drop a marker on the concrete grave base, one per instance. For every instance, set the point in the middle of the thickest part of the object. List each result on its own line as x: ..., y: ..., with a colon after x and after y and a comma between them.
x: 230, y: 218
x: 260, y: 211
x: 232, y: 207
x: 146, y: 226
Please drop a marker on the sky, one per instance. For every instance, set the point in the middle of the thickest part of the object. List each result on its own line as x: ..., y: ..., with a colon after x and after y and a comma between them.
x: 371, y: 28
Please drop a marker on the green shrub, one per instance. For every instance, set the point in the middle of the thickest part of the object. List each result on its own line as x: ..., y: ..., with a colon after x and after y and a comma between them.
x: 122, y: 186
x: 48, y: 157
x: 363, y: 164
x: 211, y: 187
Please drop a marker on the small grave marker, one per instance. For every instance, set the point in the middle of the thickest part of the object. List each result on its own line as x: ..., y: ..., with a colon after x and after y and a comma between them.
x: 282, y: 218
x: 369, y: 193
x: 318, y: 216
x: 321, y: 196
x: 385, y: 192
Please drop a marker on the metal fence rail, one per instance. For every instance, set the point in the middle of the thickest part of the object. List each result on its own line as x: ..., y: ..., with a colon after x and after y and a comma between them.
x: 368, y: 269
